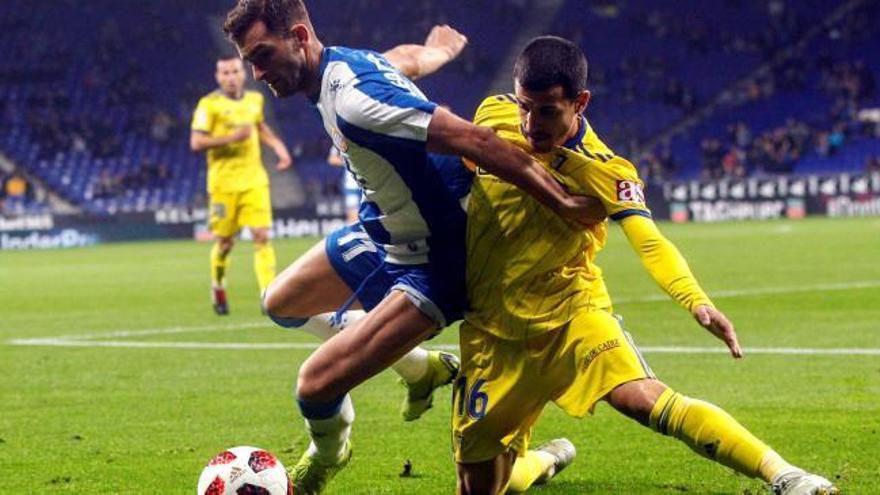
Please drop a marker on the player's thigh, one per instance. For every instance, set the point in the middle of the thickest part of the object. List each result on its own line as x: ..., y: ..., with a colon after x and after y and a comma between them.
x: 437, y: 288
x: 637, y: 398
x: 498, y: 396
x: 223, y: 216
x: 375, y: 342
x: 606, y: 358
x: 308, y: 287
x: 255, y: 208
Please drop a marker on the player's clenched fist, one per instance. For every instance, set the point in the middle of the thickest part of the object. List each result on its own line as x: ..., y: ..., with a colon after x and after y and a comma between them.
x: 445, y: 37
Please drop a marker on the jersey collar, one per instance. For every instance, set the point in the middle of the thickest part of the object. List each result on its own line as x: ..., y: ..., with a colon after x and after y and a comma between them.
x: 223, y: 94
x: 579, y: 136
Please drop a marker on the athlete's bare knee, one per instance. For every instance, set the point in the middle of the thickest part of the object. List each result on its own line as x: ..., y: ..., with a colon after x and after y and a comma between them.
x: 225, y: 244
x: 273, y: 299
x: 260, y: 236
x: 284, y: 298
x: 315, y: 385
x: 636, y: 399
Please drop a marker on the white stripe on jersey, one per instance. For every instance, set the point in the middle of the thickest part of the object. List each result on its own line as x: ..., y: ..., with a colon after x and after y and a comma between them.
x: 401, y: 217
x: 353, y: 105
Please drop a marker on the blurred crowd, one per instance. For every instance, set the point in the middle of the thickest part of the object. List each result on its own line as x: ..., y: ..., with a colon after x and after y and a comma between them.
x: 110, y: 100
x: 100, y: 98
x: 846, y: 85
x: 743, y: 151
x: 147, y: 175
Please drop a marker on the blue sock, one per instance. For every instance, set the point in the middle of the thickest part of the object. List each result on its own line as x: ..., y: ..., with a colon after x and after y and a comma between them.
x: 320, y: 410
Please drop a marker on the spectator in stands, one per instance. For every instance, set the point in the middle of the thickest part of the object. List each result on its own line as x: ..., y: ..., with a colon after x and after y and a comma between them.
x: 739, y: 134
x: 649, y: 168
x: 667, y: 160
x: 872, y: 165
x: 732, y: 164
x: 151, y: 175
x: 16, y: 190
x: 161, y: 127
x: 106, y: 186
x: 711, y: 153
x: 836, y: 138
x: 163, y: 174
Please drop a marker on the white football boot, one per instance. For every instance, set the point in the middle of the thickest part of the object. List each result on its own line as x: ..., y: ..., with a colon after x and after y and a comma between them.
x: 564, y: 452
x: 802, y: 483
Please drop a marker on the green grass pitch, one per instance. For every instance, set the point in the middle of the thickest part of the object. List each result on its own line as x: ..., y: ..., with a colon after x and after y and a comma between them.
x: 140, y: 403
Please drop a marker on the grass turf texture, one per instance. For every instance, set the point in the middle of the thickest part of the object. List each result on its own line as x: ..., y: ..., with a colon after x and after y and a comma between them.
x: 145, y: 420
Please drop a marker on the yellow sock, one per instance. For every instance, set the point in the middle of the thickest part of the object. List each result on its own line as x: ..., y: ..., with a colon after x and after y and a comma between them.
x: 264, y: 264
x: 219, y: 264
x: 529, y: 468
x: 710, y: 432
x: 773, y: 465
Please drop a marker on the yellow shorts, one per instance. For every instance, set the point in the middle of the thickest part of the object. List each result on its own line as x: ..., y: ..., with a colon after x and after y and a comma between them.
x: 230, y: 211
x: 504, y: 385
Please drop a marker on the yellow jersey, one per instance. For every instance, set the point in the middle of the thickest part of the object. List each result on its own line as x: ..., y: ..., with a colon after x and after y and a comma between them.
x: 237, y: 166
x: 528, y: 270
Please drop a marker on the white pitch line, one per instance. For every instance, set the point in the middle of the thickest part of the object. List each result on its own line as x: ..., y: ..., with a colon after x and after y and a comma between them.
x: 134, y: 344
x: 86, y: 340
x: 865, y: 284
x: 800, y: 351
x: 165, y: 331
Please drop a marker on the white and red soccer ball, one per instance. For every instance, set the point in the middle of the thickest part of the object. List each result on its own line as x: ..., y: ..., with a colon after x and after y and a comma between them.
x: 244, y: 471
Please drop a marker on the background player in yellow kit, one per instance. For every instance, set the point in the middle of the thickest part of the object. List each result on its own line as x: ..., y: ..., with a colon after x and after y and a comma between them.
x: 229, y: 124
x: 540, y: 328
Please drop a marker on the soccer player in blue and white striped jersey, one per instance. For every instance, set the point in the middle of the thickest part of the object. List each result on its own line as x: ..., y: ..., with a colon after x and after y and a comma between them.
x: 387, y: 131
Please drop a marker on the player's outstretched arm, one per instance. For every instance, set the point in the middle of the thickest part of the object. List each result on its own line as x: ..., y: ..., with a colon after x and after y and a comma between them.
x: 442, y: 46
x: 670, y: 270
x: 268, y: 136
x: 452, y: 135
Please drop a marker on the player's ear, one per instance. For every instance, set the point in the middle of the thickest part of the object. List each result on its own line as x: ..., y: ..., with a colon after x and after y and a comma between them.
x: 582, y: 100
x: 300, y: 32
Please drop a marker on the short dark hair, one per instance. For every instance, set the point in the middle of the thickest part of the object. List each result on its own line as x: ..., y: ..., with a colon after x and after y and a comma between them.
x: 277, y: 15
x: 227, y: 57
x: 548, y: 61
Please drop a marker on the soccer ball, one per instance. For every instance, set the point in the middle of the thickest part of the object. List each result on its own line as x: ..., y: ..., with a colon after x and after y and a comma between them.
x: 244, y: 471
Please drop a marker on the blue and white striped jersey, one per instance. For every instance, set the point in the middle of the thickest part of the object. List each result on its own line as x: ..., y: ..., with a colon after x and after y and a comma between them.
x: 378, y: 119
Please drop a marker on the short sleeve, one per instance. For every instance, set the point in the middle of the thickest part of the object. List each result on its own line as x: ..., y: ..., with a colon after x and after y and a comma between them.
x: 203, y: 118
x: 621, y: 189
x: 261, y: 104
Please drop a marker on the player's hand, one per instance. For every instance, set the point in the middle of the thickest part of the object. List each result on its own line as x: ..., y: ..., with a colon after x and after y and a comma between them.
x: 446, y: 38
x: 284, y: 160
x: 584, y: 210
x: 715, y: 322
x: 241, y: 134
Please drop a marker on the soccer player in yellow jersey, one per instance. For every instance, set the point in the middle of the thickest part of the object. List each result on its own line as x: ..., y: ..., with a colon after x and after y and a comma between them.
x: 228, y: 123
x: 540, y: 328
